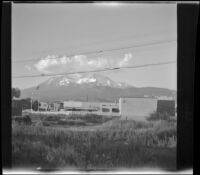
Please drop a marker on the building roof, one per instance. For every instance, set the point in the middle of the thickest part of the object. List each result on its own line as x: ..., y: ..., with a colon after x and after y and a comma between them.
x: 14, y: 98
x: 138, y: 97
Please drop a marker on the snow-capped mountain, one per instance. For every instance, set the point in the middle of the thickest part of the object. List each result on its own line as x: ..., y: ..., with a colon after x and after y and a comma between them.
x: 91, y: 87
x: 81, y: 80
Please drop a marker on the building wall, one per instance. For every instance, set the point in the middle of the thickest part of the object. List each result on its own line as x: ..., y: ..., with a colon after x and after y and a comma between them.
x: 137, y: 108
x: 72, y: 104
x: 55, y: 106
x: 91, y: 108
x: 91, y: 105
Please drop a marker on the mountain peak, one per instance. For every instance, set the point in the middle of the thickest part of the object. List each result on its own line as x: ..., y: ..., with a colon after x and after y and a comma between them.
x: 83, y: 79
x: 92, y: 87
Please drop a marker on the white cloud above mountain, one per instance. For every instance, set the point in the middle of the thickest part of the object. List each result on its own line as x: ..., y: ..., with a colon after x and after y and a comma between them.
x: 54, y: 63
x: 28, y: 67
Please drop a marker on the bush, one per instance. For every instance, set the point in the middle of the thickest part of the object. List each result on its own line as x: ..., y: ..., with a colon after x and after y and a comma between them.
x: 71, y: 122
x: 23, y: 120
x: 158, y: 116
x: 46, y: 123
x: 51, y: 118
x: 91, y: 118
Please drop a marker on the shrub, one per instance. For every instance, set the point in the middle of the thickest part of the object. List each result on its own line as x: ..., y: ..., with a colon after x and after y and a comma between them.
x: 23, y: 120
x: 51, y: 118
x: 71, y: 122
x: 45, y: 123
x: 91, y: 118
x: 158, y: 116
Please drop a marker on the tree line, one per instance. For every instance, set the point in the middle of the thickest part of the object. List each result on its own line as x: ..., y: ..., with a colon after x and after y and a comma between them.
x: 23, y: 103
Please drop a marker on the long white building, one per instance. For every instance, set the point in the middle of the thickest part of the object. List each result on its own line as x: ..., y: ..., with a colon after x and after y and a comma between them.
x: 127, y: 108
x: 109, y: 109
x: 106, y: 108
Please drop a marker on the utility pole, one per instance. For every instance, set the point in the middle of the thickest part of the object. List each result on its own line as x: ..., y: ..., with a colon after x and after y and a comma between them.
x: 37, y: 88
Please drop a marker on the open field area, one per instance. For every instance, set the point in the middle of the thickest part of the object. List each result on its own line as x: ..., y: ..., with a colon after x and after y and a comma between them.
x: 90, y: 144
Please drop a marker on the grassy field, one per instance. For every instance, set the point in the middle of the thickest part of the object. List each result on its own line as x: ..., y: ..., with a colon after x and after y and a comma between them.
x: 94, y: 145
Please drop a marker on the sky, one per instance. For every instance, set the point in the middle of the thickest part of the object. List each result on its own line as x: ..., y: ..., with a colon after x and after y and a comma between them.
x: 58, y: 36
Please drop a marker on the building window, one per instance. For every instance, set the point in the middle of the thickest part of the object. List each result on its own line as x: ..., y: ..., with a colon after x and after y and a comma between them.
x: 105, y: 110
x: 116, y: 110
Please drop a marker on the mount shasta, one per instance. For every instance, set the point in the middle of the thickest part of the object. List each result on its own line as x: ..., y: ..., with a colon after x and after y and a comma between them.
x: 91, y: 87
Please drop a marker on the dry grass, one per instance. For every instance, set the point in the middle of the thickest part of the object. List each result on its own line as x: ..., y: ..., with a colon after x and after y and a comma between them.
x: 113, y: 144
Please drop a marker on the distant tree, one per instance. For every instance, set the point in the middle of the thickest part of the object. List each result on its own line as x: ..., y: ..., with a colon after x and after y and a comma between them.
x: 35, y: 105
x: 26, y: 103
x: 16, y: 92
x: 16, y: 104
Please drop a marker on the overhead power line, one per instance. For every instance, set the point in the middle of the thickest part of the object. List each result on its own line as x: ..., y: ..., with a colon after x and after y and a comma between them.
x: 103, y: 51
x: 98, y: 70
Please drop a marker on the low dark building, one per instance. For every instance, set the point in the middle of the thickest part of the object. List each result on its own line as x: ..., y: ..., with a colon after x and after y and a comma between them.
x: 166, y: 106
x: 16, y: 107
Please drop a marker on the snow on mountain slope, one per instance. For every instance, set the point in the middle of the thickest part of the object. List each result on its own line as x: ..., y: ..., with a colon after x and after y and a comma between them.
x: 94, y: 87
x: 89, y: 79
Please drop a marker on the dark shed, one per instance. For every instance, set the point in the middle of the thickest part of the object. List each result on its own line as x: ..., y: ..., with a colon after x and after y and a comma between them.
x: 166, y: 106
x: 16, y: 107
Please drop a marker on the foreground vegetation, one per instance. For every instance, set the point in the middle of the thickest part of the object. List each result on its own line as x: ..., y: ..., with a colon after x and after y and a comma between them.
x: 113, y: 144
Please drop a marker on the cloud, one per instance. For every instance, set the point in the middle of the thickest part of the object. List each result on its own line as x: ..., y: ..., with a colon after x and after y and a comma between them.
x: 125, y: 60
x: 53, y: 63
x: 28, y: 67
